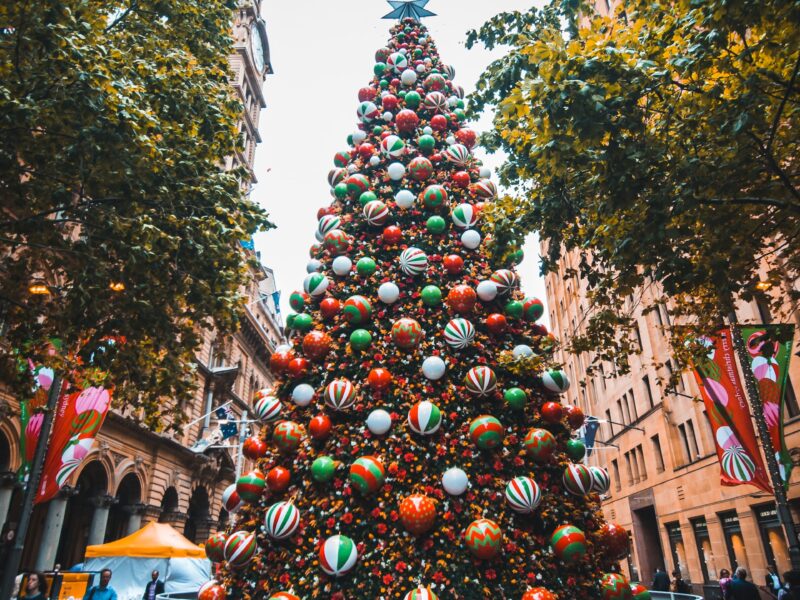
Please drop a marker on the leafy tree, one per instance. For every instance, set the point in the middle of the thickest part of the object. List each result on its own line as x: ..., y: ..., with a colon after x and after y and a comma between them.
x: 115, y: 120
x: 660, y: 144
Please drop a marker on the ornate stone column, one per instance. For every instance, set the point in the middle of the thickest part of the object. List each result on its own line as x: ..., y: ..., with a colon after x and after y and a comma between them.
x: 97, y: 528
x: 175, y: 518
x: 204, y: 528
x: 151, y: 513
x: 51, y: 534
x: 135, y: 519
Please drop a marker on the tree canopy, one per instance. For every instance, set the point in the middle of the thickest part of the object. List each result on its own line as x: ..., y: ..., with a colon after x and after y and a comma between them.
x: 660, y: 143
x: 115, y: 121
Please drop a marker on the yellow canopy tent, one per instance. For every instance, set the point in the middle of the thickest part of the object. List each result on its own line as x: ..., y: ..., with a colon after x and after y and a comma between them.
x: 154, y: 540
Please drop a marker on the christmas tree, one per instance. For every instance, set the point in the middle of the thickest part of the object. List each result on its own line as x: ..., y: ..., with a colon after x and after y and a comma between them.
x: 415, y: 446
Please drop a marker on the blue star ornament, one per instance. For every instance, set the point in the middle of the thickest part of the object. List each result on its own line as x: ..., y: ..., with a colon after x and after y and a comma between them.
x: 414, y: 9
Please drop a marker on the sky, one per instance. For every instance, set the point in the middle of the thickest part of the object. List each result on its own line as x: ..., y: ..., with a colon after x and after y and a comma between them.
x: 322, y: 52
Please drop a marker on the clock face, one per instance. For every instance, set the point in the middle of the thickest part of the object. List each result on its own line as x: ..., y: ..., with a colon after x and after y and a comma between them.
x: 257, y: 47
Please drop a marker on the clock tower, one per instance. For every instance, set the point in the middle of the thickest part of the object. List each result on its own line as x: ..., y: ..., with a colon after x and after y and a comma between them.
x: 250, y: 64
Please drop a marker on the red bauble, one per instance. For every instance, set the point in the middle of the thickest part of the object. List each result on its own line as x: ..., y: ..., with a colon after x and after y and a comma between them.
x: 389, y: 102
x: 453, y: 264
x: 539, y: 594
x: 466, y: 137
x: 538, y: 329
x: 552, y: 412
x: 460, y: 179
x: 325, y: 210
x: 496, y: 323
x: 395, y: 83
x: 462, y: 299
x: 614, y: 541
x: 366, y: 150
x: 439, y: 123
x: 379, y: 379
x: 392, y: 234
x: 575, y: 417
x: 254, y: 448
x: 367, y: 93
x: 279, y: 361
x: 330, y: 307
x: 297, y: 367
x: 316, y: 344
x: 320, y: 427
x: 417, y: 513
x: 278, y: 479
x: 436, y: 157
x: 212, y: 591
x: 406, y: 120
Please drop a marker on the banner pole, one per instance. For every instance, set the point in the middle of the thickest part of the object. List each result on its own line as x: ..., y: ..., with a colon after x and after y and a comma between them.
x: 781, y: 501
x: 11, y: 565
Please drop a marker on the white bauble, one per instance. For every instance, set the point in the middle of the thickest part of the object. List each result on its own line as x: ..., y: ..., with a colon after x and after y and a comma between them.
x: 421, y: 68
x: 450, y: 139
x: 433, y: 368
x: 341, y: 265
x: 302, y: 394
x: 404, y: 198
x: 522, y: 351
x: 455, y: 481
x: 387, y: 116
x: 359, y: 136
x: 487, y: 290
x: 452, y: 101
x: 379, y: 421
x: 408, y: 77
x: 351, y: 168
x: 471, y: 239
x: 485, y: 172
x: 427, y: 130
x: 403, y: 51
x: 388, y: 292
x: 374, y: 160
x: 396, y: 171
x: 313, y: 266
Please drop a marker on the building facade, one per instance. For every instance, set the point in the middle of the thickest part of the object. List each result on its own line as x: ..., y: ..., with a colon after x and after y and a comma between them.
x: 657, y: 445
x: 134, y: 475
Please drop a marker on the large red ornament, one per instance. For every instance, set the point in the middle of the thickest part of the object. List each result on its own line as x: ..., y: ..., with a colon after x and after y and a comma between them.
x: 462, y: 299
x: 539, y: 594
x: 366, y: 150
x: 552, y: 412
x: 211, y: 591
x: 496, y: 323
x: 254, y: 448
x: 417, y: 513
x: 453, y: 264
x: 278, y: 479
x: 279, y: 361
x: 379, y: 379
x: 439, y: 123
x: 575, y: 417
x: 316, y: 344
x: 298, y: 367
x: 330, y: 307
x: 614, y: 541
x: 466, y: 137
x: 389, y: 102
x: 406, y: 120
x: 320, y: 427
x: 366, y: 93
x: 392, y: 234
x: 460, y: 179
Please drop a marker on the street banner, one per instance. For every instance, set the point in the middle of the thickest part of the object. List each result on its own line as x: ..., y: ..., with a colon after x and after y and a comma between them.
x: 589, y: 432
x: 769, y: 350
x: 729, y: 413
x: 31, y: 417
x: 76, y: 423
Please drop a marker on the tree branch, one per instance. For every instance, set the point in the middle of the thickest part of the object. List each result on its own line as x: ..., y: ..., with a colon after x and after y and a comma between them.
x: 134, y: 5
x: 57, y: 209
x: 789, y: 88
x: 749, y: 200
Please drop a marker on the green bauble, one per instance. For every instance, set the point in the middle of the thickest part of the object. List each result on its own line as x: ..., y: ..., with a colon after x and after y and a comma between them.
x: 290, y: 320
x: 377, y: 130
x: 516, y: 398
x: 323, y: 469
x: 350, y: 140
x: 417, y: 53
x: 426, y: 143
x: 402, y: 94
x: 360, y: 339
x: 366, y: 266
x: 379, y: 69
x: 514, y: 309
x: 436, y: 224
x: 516, y: 257
x: 576, y: 450
x: 413, y: 99
x: 384, y: 84
x: 431, y: 295
x: 303, y: 322
x: 340, y: 191
x: 460, y: 114
x: 460, y: 104
x: 367, y: 196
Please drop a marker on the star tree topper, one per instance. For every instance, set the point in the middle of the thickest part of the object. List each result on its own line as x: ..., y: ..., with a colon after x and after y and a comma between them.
x: 414, y: 9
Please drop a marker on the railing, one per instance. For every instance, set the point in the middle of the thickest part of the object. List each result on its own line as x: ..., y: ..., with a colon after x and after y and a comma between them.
x: 673, y: 596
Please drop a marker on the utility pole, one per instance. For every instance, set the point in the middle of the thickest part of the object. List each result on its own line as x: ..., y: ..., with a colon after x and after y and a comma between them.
x: 15, y: 556
x: 781, y: 502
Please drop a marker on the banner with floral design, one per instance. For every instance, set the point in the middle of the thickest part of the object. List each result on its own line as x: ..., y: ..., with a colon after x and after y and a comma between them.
x: 769, y: 350
x: 75, y: 425
x: 729, y: 412
x: 31, y: 417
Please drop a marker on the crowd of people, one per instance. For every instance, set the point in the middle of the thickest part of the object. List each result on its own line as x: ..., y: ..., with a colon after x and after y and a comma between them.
x: 36, y: 588
x: 736, y: 587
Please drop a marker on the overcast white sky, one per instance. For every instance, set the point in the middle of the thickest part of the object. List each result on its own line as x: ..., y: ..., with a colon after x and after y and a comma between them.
x: 322, y: 52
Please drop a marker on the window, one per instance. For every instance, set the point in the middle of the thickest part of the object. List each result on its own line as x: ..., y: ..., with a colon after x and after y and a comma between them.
x: 632, y: 401
x: 638, y: 336
x: 677, y: 549
x: 647, y: 391
x: 657, y: 315
x: 603, y: 376
x: 734, y: 541
x: 635, y: 464
x: 703, y: 541
x: 692, y: 439
x: 615, y: 470
x: 791, y: 399
x: 657, y: 453
x: 666, y: 314
x: 642, y: 467
x: 610, y: 425
x: 621, y: 414
x: 775, y: 549
x: 629, y: 468
x: 687, y: 453
x: 671, y: 369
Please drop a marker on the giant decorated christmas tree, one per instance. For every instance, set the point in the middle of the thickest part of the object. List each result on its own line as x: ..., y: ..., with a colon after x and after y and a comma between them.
x: 415, y: 446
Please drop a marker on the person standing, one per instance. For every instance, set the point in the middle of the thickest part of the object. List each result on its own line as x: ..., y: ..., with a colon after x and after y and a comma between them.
x: 153, y: 588
x: 741, y: 589
x: 103, y: 591
x: 660, y: 581
x: 35, y: 587
x: 725, y: 583
x: 772, y: 581
x: 791, y: 590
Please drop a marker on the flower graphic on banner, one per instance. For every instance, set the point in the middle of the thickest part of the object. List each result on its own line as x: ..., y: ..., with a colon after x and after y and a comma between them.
x: 765, y: 367
x: 72, y: 457
x: 90, y: 407
x: 32, y: 429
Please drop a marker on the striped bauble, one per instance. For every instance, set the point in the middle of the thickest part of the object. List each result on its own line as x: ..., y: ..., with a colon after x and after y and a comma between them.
x: 328, y: 223
x: 555, y: 380
x: 485, y: 189
x: 577, y: 479
x: 601, y: 480
x: 393, y: 146
x: 421, y: 593
x: 459, y: 333
x: 340, y: 394
x: 483, y: 538
x: 338, y: 555
x: 315, y: 284
x: 240, y: 548
x: 505, y: 280
x: 464, y: 216
x: 287, y: 436
x: 268, y: 408
x: 413, y: 261
x: 284, y: 596
x: 375, y: 212
x: 523, y: 495
x: 458, y: 154
x: 281, y: 520
x: 486, y: 432
x: 357, y: 310
x: 425, y: 418
x: 367, y: 474
x: 569, y: 543
x: 480, y: 381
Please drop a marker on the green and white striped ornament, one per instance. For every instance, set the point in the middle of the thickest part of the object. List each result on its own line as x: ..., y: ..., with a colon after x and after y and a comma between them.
x: 464, y: 216
x: 523, y: 495
x: 413, y: 261
x: 555, y: 380
x: 328, y: 223
x: 459, y: 333
x: 281, y: 520
x: 393, y: 146
x: 425, y: 418
x: 315, y: 284
x: 480, y: 381
x: 338, y: 555
x: 376, y: 212
x: 421, y: 593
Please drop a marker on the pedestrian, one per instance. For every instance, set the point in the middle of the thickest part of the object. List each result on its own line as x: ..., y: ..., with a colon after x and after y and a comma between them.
x: 772, y: 581
x: 660, y: 581
x: 103, y: 591
x: 791, y: 586
x: 35, y: 587
x: 725, y: 583
x: 154, y: 587
x: 741, y: 589
x: 679, y: 586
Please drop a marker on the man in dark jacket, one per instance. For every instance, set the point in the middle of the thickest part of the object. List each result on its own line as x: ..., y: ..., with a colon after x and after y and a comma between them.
x: 660, y: 581
x: 153, y: 588
x: 741, y: 589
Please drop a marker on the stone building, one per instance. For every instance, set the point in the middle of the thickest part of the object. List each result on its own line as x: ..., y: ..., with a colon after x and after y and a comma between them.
x: 134, y: 475
x: 661, y: 455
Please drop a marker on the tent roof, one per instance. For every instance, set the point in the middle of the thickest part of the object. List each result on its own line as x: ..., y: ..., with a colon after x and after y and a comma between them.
x: 154, y: 540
